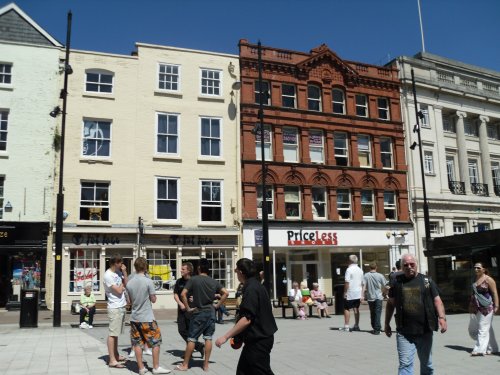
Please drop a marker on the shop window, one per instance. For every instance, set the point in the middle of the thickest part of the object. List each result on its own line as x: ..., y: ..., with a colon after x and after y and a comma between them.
x: 94, y: 202
x: 84, y: 266
x: 290, y: 144
x: 269, y: 201
x: 292, y: 202
x: 162, y: 267
x: 268, y: 145
x: 221, y: 265
x: 344, y: 204
x: 319, y: 203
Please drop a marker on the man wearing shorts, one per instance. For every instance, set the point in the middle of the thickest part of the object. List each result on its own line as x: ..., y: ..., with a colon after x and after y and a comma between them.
x: 352, y: 293
x: 143, y: 327
x: 203, y: 289
x: 115, y: 280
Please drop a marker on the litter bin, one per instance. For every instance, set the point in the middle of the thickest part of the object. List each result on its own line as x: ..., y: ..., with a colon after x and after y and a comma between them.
x: 339, y: 299
x: 29, y: 308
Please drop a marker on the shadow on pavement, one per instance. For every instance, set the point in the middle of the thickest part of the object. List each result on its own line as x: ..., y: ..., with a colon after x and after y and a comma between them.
x: 459, y: 347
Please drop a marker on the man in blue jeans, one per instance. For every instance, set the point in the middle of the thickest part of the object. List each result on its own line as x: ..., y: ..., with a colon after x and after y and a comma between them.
x: 374, y: 286
x: 202, y: 322
x: 419, y: 312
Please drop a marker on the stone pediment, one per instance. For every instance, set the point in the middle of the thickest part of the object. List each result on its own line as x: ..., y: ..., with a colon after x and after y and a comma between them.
x: 326, y: 66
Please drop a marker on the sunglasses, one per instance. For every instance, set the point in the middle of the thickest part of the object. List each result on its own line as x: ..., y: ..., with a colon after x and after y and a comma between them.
x: 408, y: 265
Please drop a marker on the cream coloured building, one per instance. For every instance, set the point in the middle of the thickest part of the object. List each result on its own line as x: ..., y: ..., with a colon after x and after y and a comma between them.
x: 151, y: 165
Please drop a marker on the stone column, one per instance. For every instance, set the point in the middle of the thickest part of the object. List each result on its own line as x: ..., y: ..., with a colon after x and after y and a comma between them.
x: 485, y: 154
x: 463, y: 162
x: 436, y: 117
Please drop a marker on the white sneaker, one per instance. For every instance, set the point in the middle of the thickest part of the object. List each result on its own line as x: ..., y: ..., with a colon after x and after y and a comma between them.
x: 147, y: 351
x: 90, y: 327
x: 345, y: 329
x: 144, y: 371
x: 161, y: 370
x: 84, y: 325
x: 132, y: 353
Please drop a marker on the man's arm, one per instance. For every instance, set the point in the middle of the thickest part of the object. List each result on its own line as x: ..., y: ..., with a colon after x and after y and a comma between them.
x: 224, y: 293
x: 152, y: 298
x: 389, y: 310
x: 239, y: 327
x: 184, y: 298
x: 346, y: 287
x: 125, y: 274
x: 179, y: 302
x: 438, y: 304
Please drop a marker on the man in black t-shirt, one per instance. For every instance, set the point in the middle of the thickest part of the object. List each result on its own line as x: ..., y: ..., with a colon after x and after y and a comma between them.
x: 419, y: 312
x: 255, y: 324
x: 182, y: 316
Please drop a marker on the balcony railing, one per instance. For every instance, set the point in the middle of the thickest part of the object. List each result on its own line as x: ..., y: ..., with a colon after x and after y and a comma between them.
x: 479, y: 189
x: 497, y: 189
x: 457, y: 187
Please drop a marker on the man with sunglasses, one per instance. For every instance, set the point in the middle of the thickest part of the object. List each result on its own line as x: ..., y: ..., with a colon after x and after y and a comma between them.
x: 419, y: 312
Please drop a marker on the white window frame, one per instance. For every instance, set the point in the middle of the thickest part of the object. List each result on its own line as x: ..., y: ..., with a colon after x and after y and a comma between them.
x: 386, y: 153
x: 495, y: 172
x: 434, y: 227
x: 269, y: 200
x: 78, y: 276
x: 344, y: 206
x: 98, y: 139
x: 367, y: 203
x: 367, y: 151
x: 361, y: 108
x: 5, y: 74
x: 169, y: 134
x: 316, y: 150
x: 212, y: 139
x: 221, y: 266
x: 295, y: 190
x: 425, y: 121
x: 4, y: 128
x: 95, y: 203
x: 449, y: 125
x: 473, y: 170
x: 450, y: 168
x: 162, y: 268
x: 459, y: 228
x: 268, y: 143
x: 99, y: 83
x: 319, y: 192
x: 313, y: 102
x: 213, y: 82
x: 390, y: 206
x: 266, y: 93
x: 341, y: 152
x: 428, y: 162
x: 212, y: 202
x: 287, y: 96
x: 342, y: 103
x: 470, y: 127
x: 291, y: 150
x: 168, y: 198
x: 383, y: 110
x: 2, y: 186
x: 169, y: 77
x: 492, y: 130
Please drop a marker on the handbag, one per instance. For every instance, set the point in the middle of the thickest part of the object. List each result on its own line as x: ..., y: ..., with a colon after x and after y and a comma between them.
x: 483, y: 301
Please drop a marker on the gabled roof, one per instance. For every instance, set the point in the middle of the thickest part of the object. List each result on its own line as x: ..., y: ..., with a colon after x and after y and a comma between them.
x: 322, y: 53
x: 29, y: 23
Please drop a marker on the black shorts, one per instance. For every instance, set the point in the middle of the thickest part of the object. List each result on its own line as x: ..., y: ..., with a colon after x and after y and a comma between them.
x: 351, y: 304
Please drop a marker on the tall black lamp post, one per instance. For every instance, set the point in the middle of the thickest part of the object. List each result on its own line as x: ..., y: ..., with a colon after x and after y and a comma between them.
x: 416, y: 129
x: 60, y: 194
x: 265, y: 219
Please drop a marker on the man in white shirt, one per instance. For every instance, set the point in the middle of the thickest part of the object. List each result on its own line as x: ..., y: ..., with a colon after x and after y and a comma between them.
x: 115, y: 280
x: 352, y: 293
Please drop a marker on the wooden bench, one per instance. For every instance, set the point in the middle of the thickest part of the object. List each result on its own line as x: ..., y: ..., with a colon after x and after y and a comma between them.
x: 231, y: 304
x: 329, y: 302
x: 101, y: 307
x: 284, y: 304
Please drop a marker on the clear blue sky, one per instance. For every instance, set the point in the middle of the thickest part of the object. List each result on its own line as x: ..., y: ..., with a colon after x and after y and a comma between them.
x: 371, y: 31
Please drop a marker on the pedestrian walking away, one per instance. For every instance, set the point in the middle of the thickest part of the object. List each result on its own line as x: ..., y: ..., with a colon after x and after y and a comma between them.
x: 419, y: 311
x: 374, y: 287
x: 255, y: 325
x: 352, y: 293
x: 483, y: 305
x: 202, y: 322
x: 115, y: 280
x: 144, y: 331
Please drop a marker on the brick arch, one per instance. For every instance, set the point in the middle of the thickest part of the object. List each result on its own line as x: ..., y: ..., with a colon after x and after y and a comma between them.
x: 293, y: 177
x: 390, y: 183
x: 368, y: 181
x: 344, y: 180
x: 271, y: 177
x: 320, y: 179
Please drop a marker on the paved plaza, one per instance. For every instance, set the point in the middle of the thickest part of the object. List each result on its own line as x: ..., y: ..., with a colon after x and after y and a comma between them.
x: 314, y: 346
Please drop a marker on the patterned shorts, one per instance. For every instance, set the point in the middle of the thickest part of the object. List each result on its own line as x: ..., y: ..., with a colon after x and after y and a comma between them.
x: 142, y: 333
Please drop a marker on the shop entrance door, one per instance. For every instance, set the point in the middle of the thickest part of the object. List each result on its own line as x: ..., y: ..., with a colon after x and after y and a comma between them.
x: 304, y: 272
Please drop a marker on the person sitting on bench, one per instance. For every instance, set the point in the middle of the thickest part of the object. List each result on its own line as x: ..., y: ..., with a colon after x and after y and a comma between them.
x: 87, y: 307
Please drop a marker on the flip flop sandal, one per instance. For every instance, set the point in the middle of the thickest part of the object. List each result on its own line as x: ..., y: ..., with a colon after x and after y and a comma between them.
x: 117, y: 365
x: 122, y: 359
x: 179, y: 368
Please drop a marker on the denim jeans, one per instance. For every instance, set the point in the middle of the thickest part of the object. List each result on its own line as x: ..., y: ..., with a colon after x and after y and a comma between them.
x: 375, y: 313
x: 407, y: 346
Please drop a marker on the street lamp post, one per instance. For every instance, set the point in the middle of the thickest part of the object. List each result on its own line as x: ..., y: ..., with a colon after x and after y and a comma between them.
x: 416, y: 129
x: 60, y: 194
x: 265, y: 222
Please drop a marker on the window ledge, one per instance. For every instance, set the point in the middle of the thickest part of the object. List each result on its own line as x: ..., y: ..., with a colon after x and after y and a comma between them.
x: 430, y: 174
x: 171, y: 94
x: 96, y: 161
x: 93, y: 223
x: 211, y: 98
x: 206, y: 160
x: 166, y: 224
x: 98, y: 96
x: 4, y: 155
x: 6, y: 87
x: 209, y: 224
x: 175, y: 158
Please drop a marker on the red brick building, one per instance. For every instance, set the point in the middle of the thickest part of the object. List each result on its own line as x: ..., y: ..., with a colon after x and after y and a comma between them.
x: 334, y: 147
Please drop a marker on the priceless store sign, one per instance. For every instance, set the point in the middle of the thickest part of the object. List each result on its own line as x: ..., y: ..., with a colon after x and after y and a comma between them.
x: 311, y: 237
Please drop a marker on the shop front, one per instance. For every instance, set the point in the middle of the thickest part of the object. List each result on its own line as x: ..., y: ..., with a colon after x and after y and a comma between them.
x: 87, y: 254
x: 22, y: 260
x: 309, y: 253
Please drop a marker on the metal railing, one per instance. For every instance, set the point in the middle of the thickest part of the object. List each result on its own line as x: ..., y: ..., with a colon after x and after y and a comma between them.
x: 457, y: 187
x: 496, y: 188
x: 479, y: 189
